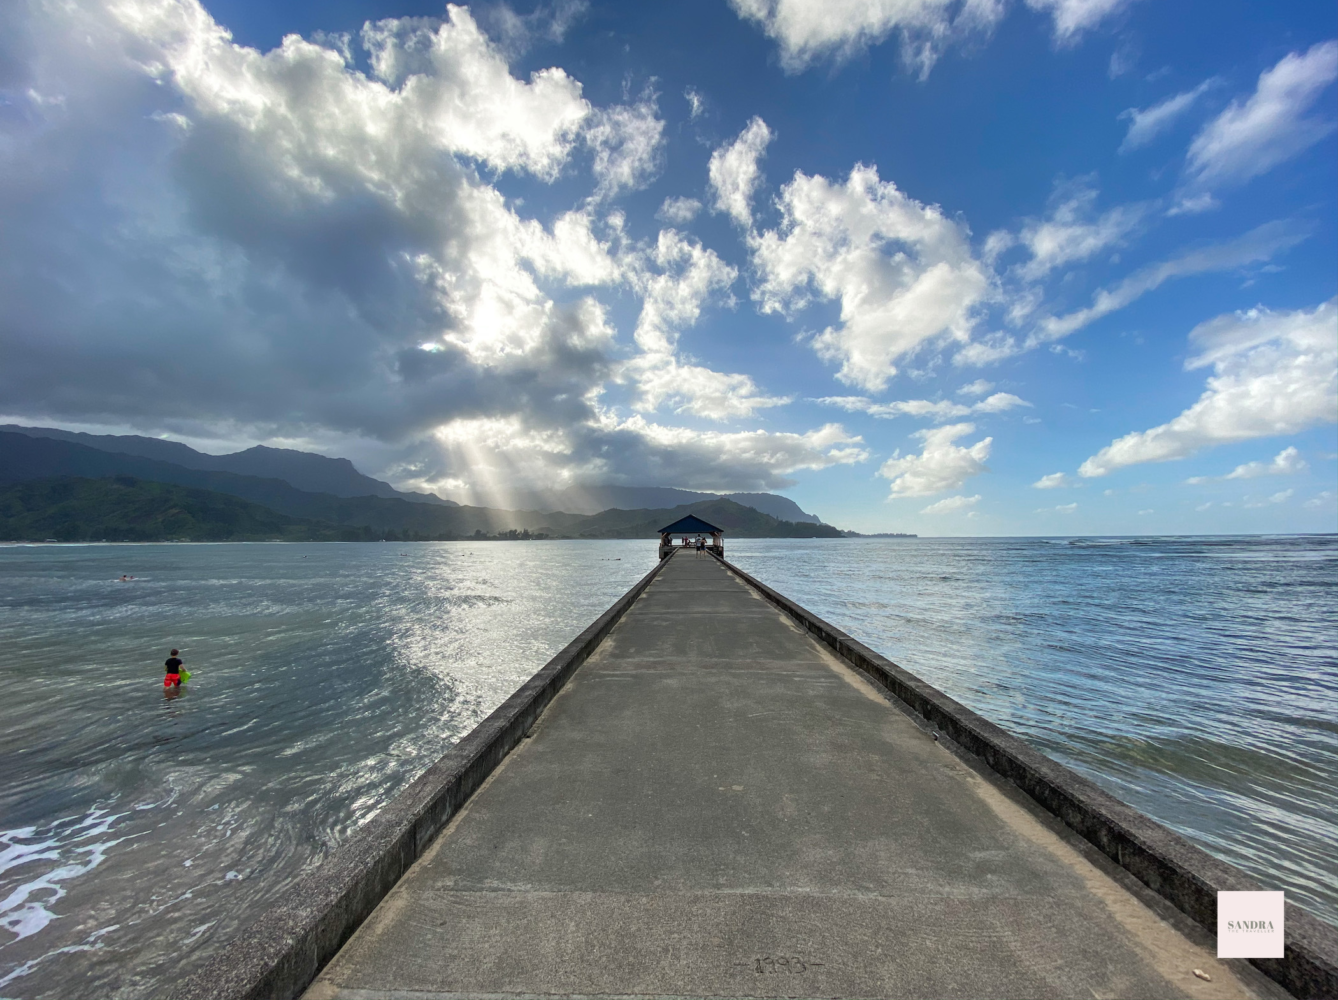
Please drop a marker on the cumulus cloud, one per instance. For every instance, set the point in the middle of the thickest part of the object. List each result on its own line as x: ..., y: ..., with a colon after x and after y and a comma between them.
x: 444, y: 82
x: 977, y: 388
x: 808, y: 31
x: 1287, y: 462
x: 1071, y: 18
x: 1259, y: 244
x: 1054, y: 481
x: 944, y: 409
x: 902, y: 271
x: 1319, y: 500
x: 1273, y: 373
x: 200, y: 235
x: 1063, y: 508
x: 631, y: 451
x: 310, y: 226
x: 950, y: 505
x: 941, y: 465
x: 627, y: 141
x: 685, y: 277
x: 1074, y: 232
x: 1280, y: 497
x: 677, y: 211
x: 1148, y: 123
x: 734, y: 174
x: 1252, y: 137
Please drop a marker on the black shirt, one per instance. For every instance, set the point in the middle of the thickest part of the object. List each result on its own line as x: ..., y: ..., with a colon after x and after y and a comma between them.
x: 173, y: 665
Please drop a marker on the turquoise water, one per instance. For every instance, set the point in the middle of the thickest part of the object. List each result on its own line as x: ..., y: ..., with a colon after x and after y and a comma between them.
x: 1196, y: 679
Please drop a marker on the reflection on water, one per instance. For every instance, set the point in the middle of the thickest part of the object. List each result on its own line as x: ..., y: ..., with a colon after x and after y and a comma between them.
x: 1196, y: 679
x: 140, y: 831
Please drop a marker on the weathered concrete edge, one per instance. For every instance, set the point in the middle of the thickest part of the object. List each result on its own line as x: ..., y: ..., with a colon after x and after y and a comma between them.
x: 1183, y: 874
x: 279, y: 955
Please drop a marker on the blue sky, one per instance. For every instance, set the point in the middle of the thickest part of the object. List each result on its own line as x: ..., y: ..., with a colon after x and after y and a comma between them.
x: 1040, y: 267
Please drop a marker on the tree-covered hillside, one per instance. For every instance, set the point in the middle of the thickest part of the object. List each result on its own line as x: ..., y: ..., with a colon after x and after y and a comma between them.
x: 124, y: 509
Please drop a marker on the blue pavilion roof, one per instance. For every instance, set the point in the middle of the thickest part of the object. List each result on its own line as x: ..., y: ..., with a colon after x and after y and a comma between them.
x: 691, y: 525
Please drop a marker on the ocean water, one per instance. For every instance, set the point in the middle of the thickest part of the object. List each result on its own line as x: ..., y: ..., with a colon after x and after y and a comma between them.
x: 1196, y: 679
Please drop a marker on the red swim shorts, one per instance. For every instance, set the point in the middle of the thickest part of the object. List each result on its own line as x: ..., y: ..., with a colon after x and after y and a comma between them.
x: 172, y: 679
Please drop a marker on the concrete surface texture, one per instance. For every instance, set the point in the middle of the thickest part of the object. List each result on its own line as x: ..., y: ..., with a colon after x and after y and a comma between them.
x: 716, y: 805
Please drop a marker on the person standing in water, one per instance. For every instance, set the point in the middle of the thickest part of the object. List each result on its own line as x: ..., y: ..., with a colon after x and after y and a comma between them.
x: 172, y: 679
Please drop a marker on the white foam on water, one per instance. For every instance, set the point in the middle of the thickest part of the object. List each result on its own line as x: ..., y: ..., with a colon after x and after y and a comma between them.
x: 91, y: 943
x: 26, y: 910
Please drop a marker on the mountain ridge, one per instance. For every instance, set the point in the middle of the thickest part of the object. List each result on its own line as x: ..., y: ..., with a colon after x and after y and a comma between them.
x: 24, y: 458
x: 337, y: 477
x: 303, y: 470
x: 125, y: 508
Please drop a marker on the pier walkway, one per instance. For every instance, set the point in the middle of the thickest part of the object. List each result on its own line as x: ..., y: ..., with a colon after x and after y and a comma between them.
x: 717, y: 806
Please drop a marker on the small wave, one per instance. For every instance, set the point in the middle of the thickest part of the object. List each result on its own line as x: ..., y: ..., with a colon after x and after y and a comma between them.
x: 26, y: 909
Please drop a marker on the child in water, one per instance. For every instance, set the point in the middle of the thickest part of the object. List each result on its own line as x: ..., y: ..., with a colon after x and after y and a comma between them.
x: 173, y: 677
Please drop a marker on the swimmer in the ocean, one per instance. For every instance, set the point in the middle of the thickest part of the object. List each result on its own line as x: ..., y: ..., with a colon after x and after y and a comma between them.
x: 172, y: 679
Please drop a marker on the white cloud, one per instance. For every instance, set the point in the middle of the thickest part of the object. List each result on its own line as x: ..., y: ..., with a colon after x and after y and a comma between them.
x: 344, y: 268
x: 1287, y: 462
x: 696, y: 102
x: 941, y: 464
x: 497, y: 452
x: 768, y: 453
x: 1273, y: 373
x: 1260, y: 243
x: 1319, y: 500
x: 1073, y: 17
x: 1148, y: 123
x: 677, y: 211
x: 1280, y: 497
x: 986, y: 351
x: 977, y: 388
x: 902, y: 271
x: 734, y: 173
x: 627, y: 141
x: 686, y: 276
x: 939, y: 410
x: 1063, y: 508
x: 1073, y: 232
x: 1054, y: 481
x: 1195, y: 204
x: 516, y: 33
x: 998, y: 403
x: 950, y: 505
x: 1250, y: 138
x: 443, y: 82
x: 1123, y: 60
x: 811, y: 30
x: 943, y: 409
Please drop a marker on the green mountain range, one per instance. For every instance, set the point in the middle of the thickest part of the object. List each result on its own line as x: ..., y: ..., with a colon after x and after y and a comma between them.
x: 69, y: 491
x: 123, y: 509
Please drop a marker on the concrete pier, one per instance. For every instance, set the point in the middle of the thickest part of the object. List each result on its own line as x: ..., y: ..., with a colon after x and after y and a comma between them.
x: 716, y: 805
